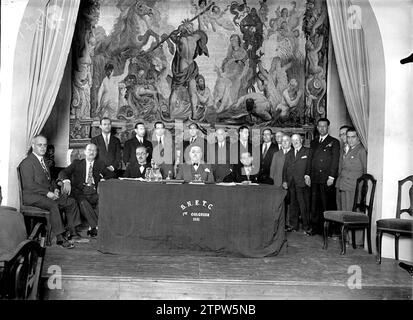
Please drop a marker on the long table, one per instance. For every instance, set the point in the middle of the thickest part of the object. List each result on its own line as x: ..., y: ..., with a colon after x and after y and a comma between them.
x: 156, y: 218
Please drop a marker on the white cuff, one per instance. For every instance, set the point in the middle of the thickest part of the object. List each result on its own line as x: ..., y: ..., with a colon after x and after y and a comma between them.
x: 330, y: 177
x: 66, y: 180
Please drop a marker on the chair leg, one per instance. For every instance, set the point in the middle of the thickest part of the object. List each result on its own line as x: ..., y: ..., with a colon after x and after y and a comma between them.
x: 368, y: 239
x: 396, y: 245
x: 48, y: 232
x: 379, y: 235
x: 353, y: 238
x: 325, y: 234
x: 343, y: 239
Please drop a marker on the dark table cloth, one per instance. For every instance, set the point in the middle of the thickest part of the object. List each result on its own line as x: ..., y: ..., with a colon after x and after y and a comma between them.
x: 155, y: 218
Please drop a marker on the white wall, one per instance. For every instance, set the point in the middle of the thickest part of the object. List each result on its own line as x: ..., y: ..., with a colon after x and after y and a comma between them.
x: 396, y: 131
x: 11, y: 16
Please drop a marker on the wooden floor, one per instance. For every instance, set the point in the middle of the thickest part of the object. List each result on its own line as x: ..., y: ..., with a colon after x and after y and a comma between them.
x: 304, y: 271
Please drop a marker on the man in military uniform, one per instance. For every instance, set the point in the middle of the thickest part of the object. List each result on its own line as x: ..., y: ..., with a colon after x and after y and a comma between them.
x: 324, y: 169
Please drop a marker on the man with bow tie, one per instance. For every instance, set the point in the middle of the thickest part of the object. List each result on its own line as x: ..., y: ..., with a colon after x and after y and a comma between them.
x: 297, y: 165
x: 40, y: 191
x: 324, y: 166
x: 80, y: 179
x: 137, y: 168
x: 195, y: 169
x: 138, y: 140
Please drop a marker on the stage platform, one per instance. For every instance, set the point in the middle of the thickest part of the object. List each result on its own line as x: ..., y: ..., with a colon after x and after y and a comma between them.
x: 303, y: 271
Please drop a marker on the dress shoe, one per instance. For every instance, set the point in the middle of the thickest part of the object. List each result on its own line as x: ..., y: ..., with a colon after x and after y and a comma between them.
x: 65, y: 244
x: 92, y: 233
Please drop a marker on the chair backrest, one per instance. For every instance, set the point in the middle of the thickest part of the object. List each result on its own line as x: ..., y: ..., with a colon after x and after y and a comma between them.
x: 409, y: 210
x: 19, y: 182
x: 362, y: 192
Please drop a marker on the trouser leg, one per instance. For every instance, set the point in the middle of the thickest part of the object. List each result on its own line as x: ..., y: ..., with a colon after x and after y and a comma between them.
x: 55, y: 217
x: 294, y: 207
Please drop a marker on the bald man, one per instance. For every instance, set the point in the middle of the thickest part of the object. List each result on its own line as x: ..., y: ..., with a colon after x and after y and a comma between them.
x: 81, y: 180
x: 296, y: 167
x: 195, y: 169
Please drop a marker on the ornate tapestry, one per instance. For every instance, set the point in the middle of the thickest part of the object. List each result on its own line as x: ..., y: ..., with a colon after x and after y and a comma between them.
x: 262, y: 63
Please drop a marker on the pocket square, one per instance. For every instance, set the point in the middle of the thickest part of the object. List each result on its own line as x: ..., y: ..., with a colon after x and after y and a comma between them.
x: 207, y: 170
x: 304, y: 157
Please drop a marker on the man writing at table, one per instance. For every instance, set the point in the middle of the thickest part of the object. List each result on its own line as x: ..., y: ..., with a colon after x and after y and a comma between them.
x: 81, y: 180
x: 246, y: 172
x: 137, y: 168
x: 195, y: 170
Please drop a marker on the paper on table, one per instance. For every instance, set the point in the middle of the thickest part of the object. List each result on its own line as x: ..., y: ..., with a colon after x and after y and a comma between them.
x: 226, y: 184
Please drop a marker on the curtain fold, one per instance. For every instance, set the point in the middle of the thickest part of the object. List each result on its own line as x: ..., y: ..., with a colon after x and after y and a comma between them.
x: 352, y: 62
x: 50, y: 49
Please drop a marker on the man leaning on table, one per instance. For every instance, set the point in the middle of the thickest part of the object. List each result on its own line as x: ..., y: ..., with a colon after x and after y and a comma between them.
x: 195, y: 169
x: 137, y: 168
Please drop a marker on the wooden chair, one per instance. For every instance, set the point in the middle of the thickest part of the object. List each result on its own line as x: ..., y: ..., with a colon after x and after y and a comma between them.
x: 396, y: 226
x: 358, y: 218
x: 31, y: 213
x: 21, y: 270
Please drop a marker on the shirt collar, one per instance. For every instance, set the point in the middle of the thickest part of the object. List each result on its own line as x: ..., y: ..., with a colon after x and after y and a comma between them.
x: 90, y: 162
x: 38, y: 157
x: 139, y: 138
x: 323, y: 137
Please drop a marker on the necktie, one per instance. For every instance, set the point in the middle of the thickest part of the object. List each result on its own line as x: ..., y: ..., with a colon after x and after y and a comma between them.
x: 321, y: 139
x: 142, y: 168
x: 295, y: 154
x: 89, y: 179
x: 192, y: 140
x: 265, y: 150
x: 45, y: 168
x: 106, y: 141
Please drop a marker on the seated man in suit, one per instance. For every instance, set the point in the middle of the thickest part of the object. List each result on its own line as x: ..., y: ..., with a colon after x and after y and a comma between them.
x: 40, y: 191
x: 246, y: 172
x: 81, y: 180
x: 195, y: 169
x: 108, y: 147
x: 297, y: 165
x: 137, y: 168
x: 138, y: 140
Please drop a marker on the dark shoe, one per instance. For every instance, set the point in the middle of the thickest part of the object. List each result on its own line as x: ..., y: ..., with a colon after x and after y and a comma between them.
x: 65, y: 244
x: 92, y: 233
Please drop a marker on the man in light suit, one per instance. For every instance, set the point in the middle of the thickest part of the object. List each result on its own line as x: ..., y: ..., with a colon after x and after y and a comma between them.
x: 325, y: 153
x: 138, y: 140
x: 108, y: 147
x: 195, y: 170
x: 298, y: 165
x: 80, y: 179
x: 276, y: 173
x: 40, y: 191
x: 344, y: 147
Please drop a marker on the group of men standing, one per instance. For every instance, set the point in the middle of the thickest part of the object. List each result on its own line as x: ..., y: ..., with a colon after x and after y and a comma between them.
x: 311, y: 175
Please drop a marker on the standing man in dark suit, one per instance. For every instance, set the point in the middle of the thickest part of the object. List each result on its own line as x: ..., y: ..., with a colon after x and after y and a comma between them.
x: 297, y: 166
x: 195, y: 169
x: 195, y: 138
x: 241, y: 146
x: 324, y: 167
x: 40, y: 191
x: 81, y: 180
x: 137, y: 168
x: 267, y: 151
x: 108, y: 147
x: 163, y: 149
x: 138, y: 140
x: 278, y: 139
x: 221, y: 165
x: 276, y: 173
